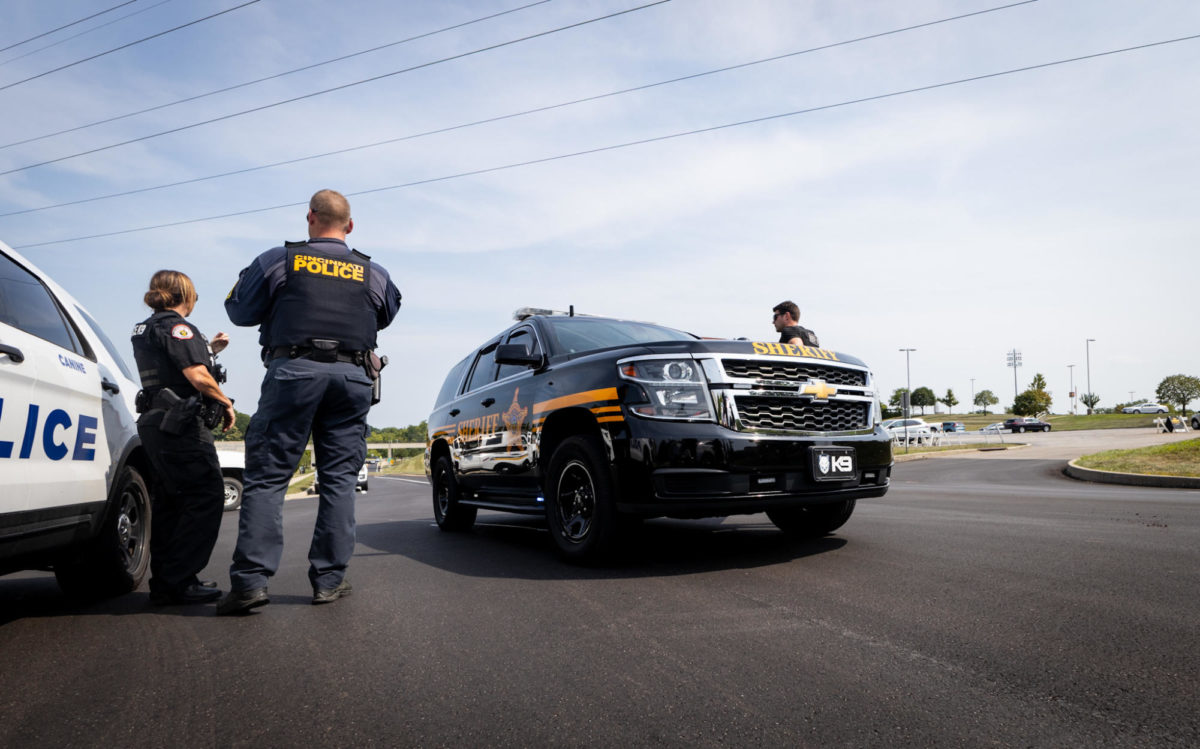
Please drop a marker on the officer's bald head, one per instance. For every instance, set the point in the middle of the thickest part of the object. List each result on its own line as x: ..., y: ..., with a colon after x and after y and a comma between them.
x: 329, y: 215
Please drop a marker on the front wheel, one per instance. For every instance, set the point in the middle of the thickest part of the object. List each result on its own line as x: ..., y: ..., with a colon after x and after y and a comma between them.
x: 1046, y: 428
x: 580, y: 506
x: 449, y: 513
x: 812, y: 522
x: 115, y: 562
x: 1020, y: 429
x: 233, y: 493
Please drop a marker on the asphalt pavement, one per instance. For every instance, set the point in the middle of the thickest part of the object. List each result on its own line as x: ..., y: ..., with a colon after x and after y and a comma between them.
x: 985, y: 601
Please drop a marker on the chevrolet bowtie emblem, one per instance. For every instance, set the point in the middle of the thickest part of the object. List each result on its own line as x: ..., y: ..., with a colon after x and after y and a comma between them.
x: 818, y: 389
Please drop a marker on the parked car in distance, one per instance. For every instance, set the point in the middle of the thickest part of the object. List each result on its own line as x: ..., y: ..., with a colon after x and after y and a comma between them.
x: 1026, y: 424
x: 1196, y: 421
x: 913, y: 430
x: 953, y: 426
x: 360, y: 486
x: 1145, y: 408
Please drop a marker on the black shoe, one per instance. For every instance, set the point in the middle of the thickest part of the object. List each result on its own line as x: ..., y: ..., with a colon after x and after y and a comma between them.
x: 206, y: 583
x: 329, y: 595
x: 189, y: 594
x: 241, y: 601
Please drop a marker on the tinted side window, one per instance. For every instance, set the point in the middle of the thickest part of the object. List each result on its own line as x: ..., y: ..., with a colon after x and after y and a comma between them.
x: 526, y: 338
x: 453, y: 380
x: 26, y: 304
x: 485, y: 368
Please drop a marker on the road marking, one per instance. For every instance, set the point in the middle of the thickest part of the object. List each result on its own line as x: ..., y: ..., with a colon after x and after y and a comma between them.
x: 395, y: 478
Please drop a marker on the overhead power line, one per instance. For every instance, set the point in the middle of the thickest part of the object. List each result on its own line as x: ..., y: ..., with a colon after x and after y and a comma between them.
x: 629, y: 144
x: 83, y: 33
x: 277, y: 75
x: 66, y: 26
x: 342, y: 87
x: 514, y: 115
x: 126, y: 46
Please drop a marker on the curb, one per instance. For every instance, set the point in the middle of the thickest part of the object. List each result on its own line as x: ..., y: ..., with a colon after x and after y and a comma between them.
x: 1076, y: 471
x: 907, y: 457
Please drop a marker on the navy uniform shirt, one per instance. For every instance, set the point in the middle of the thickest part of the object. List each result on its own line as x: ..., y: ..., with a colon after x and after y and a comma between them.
x: 164, y: 345
x: 250, y: 300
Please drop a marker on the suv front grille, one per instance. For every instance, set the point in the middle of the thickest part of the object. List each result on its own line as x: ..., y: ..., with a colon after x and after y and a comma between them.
x: 797, y: 414
x: 790, y: 372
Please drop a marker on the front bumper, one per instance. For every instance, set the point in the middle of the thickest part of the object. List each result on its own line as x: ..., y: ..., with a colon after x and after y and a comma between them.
x: 702, y: 469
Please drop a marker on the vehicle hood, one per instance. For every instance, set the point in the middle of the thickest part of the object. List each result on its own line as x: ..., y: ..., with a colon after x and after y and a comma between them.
x: 737, y: 347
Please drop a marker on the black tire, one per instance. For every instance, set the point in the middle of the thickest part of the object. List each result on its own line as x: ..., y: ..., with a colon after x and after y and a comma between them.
x: 812, y: 522
x: 1196, y: 423
x: 447, y: 511
x: 116, y: 561
x: 580, y: 504
x: 1046, y: 428
x: 233, y: 493
x: 1020, y: 429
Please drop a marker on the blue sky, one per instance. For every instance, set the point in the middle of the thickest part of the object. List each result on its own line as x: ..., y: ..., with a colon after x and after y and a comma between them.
x: 1029, y: 211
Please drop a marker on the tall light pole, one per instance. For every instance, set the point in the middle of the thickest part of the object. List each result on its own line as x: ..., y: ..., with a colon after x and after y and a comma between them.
x: 1071, y: 369
x: 908, y: 394
x: 1014, y: 361
x: 1088, y: 350
x: 972, y: 401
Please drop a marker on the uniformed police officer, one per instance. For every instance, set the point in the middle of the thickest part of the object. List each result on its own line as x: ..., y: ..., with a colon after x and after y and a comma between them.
x: 318, y: 305
x: 787, y: 323
x: 179, y: 389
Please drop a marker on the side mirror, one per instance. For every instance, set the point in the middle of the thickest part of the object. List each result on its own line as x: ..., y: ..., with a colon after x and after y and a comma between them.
x: 515, y: 353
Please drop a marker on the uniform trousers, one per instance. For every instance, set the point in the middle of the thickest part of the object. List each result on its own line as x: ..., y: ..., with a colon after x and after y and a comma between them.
x: 187, y: 504
x: 330, y: 401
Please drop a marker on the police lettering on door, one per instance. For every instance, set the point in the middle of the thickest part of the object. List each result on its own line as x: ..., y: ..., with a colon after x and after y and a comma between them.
x: 50, y: 433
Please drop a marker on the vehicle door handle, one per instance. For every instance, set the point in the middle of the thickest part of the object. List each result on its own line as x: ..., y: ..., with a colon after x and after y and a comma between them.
x: 487, y: 402
x: 13, y: 352
x: 110, y: 386
x: 454, y: 412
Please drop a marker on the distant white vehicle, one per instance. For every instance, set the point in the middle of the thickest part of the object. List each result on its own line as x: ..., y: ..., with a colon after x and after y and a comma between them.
x: 913, y: 430
x: 1145, y: 408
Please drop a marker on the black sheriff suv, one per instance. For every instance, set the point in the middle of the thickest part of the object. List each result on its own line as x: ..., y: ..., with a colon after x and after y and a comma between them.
x: 596, y: 422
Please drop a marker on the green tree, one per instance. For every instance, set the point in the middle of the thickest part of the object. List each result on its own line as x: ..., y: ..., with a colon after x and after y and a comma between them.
x: 897, y: 399
x: 923, y: 397
x: 985, y: 398
x: 949, y: 400
x: 1179, y: 389
x: 1090, y: 400
x: 1039, y: 382
x: 1031, y: 402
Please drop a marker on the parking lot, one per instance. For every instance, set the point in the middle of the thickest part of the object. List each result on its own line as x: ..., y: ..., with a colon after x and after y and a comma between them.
x: 984, y: 600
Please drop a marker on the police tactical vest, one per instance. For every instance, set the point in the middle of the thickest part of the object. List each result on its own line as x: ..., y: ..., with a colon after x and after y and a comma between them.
x: 155, y: 367
x: 324, y: 295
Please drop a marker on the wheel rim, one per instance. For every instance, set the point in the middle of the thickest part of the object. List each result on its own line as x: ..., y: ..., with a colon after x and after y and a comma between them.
x: 131, y: 528
x: 230, y: 495
x: 576, y: 501
x: 441, y: 493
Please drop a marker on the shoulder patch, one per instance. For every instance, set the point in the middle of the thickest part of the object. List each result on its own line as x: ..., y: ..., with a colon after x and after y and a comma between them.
x: 182, y: 332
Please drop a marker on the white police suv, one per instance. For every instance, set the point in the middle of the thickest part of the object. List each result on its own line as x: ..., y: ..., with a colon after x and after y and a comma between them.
x: 74, y: 480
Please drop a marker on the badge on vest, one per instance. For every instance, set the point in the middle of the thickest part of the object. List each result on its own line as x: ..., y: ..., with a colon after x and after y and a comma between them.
x: 181, y: 332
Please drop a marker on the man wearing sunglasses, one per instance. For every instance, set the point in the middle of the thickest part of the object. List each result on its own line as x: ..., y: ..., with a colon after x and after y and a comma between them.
x: 787, y: 323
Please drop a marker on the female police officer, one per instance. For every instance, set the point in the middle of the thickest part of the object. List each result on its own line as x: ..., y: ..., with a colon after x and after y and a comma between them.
x: 179, y: 389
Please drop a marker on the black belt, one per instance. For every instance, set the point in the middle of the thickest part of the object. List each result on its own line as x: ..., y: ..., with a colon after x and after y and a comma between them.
x: 306, y: 352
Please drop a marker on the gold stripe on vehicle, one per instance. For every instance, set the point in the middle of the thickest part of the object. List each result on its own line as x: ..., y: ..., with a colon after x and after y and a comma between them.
x: 604, y: 419
x: 575, y: 399
x: 605, y: 409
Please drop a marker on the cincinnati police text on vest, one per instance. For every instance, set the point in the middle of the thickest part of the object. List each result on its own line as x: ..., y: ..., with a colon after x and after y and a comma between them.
x: 320, y: 266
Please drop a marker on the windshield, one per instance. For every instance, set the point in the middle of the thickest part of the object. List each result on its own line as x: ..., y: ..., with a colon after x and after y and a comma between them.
x: 577, y: 334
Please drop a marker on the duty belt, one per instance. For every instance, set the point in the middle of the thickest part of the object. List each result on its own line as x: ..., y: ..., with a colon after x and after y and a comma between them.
x: 307, y: 352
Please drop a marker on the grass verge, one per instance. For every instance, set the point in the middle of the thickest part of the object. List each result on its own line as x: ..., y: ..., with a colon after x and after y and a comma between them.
x: 1175, y: 459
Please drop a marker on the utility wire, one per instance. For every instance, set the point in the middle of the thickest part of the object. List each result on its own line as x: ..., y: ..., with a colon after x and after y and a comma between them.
x: 273, y: 77
x: 126, y: 46
x: 83, y: 33
x: 66, y: 26
x: 513, y: 115
x: 629, y: 144
x: 335, y: 88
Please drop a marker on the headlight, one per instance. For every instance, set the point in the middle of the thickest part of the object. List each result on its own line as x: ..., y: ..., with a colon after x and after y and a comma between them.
x: 675, y: 388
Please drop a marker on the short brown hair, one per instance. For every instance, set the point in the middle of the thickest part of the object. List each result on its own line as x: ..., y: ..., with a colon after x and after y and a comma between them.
x: 170, y: 288
x: 788, y: 307
x: 332, y: 208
